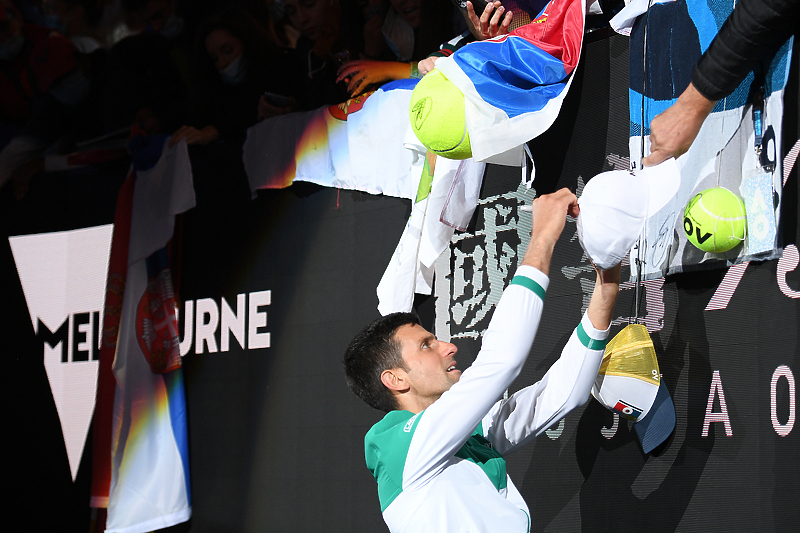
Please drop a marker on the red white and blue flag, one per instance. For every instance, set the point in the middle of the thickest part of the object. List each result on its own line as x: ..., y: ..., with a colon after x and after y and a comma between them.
x: 514, y: 84
x: 141, y: 468
x: 364, y: 144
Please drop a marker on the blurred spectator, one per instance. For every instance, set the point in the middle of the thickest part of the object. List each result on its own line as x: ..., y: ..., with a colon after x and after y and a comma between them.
x: 269, y: 14
x: 149, y: 74
x: 21, y: 46
x: 63, y: 108
x: 374, y: 12
x: 364, y: 74
x: 238, y: 62
x: 415, y: 28
x: 330, y: 34
x: 154, y: 16
x: 81, y: 21
x: 32, y: 12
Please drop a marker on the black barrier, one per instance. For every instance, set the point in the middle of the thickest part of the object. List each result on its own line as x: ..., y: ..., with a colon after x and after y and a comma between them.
x: 34, y: 448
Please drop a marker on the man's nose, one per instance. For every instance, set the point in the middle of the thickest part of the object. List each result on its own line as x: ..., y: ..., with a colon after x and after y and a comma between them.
x: 448, y: 349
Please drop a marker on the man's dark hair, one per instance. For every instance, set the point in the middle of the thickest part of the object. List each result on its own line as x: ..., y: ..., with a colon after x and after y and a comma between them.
x: 370, y: 353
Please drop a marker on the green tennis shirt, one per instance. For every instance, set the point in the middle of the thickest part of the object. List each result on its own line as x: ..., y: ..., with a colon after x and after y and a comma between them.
x: 443, y: 469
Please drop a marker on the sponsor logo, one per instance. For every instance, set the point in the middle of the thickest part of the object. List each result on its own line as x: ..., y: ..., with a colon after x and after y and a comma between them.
x: 410, y: 423
x: 208, y: 324
x: 63, y: 276
x: 689, y: 228
x: 627, y: 410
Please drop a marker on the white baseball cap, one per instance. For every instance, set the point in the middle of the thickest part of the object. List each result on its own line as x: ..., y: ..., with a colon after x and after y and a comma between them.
x: 615, y: 206
x: 629, y: 383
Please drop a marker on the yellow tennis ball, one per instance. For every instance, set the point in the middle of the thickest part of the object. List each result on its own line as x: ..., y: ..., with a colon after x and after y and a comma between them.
x: 714, y: 220
x: 437, y: 117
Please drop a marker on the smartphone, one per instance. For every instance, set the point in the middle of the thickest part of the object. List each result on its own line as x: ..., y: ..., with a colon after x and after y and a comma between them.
x: 477, y: 5
x: 278, y: 100
x: 341, y: 56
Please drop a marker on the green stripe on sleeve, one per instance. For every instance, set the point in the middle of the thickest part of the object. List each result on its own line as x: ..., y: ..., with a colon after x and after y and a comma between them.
x: 528, y: 283
x: 586, y: 340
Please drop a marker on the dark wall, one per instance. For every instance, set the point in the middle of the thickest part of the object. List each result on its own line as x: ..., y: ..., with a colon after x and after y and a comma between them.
x: 276, y: 439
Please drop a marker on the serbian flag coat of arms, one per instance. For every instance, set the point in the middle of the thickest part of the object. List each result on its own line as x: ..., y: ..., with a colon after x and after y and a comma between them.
x: 514, y: 84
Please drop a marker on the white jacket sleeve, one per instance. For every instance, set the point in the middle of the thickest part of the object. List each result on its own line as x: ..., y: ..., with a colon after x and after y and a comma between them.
x: 444, y: 426
x: 513, y: 422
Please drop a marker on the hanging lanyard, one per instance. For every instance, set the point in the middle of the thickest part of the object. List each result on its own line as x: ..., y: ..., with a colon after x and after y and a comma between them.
x: 762, y: 138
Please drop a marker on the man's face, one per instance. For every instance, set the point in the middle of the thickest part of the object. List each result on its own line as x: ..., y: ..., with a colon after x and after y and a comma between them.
x: 430, y: 364
x: 308, y: 16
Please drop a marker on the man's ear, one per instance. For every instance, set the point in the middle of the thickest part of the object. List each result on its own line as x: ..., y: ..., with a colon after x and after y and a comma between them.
x: 394, y: 380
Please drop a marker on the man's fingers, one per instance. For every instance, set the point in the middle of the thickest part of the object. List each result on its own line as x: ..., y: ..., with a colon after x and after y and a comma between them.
x: 354, y: 84
x: 496, y: 19
x: 574, y: 209
x: 563, y: 195
x: 550, y: 214
x: 506, y: 23
x: 350, y: 64
x: 487, y: 11
x: 473, y: 16
x: 562, y: 200
x: 485, y: 17
x: 655, y: 158
x: 426, y: 65
x: 346, y: 71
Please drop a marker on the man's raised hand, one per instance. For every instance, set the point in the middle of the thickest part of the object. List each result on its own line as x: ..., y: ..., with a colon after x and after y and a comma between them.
x: 490, y: 24
x: 549, y: 217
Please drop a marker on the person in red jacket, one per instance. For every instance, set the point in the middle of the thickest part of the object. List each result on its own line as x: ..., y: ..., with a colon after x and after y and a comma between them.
x: 27, y: 64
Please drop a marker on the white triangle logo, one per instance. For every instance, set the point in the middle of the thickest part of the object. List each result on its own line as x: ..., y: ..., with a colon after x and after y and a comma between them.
x: 63, y: 276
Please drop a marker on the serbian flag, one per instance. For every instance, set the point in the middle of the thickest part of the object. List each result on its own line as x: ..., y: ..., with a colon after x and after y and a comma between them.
x: 141, y: 467
x: 514, y: 84
x: 358, y: 145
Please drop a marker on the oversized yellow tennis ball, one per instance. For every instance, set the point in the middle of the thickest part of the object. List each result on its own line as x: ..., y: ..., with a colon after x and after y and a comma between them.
x: 437, y: 117
x: 714, y: 220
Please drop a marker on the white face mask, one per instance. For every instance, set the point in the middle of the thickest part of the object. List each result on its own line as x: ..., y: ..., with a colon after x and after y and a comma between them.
x: 234, y: 73
x: 12, y: 47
